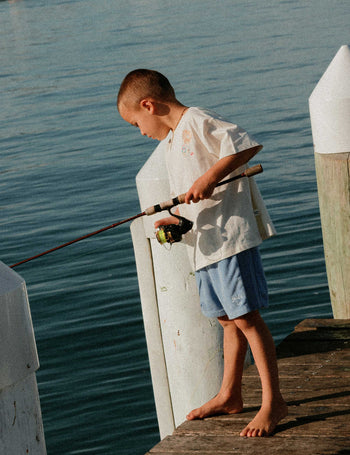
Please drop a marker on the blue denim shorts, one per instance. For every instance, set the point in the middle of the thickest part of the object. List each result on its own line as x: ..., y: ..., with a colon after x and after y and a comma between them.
x: 234, y: 286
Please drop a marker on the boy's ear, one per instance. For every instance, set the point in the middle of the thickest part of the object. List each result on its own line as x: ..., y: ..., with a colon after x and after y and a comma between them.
x: 148, y: 104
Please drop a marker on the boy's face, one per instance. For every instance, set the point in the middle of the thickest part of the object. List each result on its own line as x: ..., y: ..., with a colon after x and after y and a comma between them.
x: 149, y: 123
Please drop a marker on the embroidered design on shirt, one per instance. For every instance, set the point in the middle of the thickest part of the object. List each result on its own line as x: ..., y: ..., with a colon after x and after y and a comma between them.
x: 186, y: 140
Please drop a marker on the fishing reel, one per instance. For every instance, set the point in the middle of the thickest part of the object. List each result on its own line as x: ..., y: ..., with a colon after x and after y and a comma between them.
x: 172, y: 233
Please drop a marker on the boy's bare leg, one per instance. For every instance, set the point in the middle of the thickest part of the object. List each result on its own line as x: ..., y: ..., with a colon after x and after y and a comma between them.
x: 229, y: 398
x: 273, y: 408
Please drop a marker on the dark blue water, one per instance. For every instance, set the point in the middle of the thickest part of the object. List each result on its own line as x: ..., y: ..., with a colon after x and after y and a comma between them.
x: 68, y: 166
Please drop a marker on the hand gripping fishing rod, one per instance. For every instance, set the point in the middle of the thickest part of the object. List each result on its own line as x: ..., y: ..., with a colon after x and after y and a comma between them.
x: 150, y: 211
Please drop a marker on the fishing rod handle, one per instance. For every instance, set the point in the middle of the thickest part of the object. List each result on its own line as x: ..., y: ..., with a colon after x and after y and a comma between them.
x: 257, y: 169
x: 165, y: 205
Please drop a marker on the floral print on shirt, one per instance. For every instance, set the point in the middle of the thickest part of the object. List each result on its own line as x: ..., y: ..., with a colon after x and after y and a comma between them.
x: 186, y: 140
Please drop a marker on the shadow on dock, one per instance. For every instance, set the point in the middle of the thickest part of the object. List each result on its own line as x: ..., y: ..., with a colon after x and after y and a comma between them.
x: 314, y: 368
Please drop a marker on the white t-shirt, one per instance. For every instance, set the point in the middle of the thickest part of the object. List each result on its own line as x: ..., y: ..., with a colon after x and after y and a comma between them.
x: 225, y: 224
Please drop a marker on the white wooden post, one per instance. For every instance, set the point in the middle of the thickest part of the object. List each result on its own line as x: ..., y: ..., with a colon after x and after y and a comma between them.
x: 21, y: 428
x: 184, y: 347
x: 330, y: 121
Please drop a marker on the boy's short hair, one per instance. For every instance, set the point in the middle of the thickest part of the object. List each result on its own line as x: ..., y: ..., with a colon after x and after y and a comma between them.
x: 143, y: 83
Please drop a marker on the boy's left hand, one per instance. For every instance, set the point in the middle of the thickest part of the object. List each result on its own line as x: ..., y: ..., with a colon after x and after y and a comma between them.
x: 201, y: 189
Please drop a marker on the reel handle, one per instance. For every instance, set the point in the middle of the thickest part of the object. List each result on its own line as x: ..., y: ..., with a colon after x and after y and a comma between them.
x: 257, y: 169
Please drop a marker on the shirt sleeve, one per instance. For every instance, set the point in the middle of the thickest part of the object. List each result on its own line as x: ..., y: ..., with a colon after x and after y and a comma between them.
x: 225, y: 138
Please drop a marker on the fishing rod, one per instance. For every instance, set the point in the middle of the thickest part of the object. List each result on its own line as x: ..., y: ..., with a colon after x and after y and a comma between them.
x: 167, y: 205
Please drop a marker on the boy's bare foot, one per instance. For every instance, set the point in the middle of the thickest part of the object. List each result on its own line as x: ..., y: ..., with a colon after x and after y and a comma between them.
x: 217, y: 405
x: 266, y: 420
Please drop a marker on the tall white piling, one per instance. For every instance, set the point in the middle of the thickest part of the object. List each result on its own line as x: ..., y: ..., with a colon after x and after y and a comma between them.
x: 184, y: 347
x: 21, y: 428
x: 329, y: 106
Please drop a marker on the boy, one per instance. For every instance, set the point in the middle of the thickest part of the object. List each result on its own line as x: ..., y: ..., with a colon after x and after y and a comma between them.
x: 202, y: 149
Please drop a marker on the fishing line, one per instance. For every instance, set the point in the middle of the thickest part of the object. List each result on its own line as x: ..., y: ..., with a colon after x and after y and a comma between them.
x: 167, y: 205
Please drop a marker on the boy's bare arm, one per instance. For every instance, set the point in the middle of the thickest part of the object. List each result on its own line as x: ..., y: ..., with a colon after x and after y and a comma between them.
x: 204, y: 186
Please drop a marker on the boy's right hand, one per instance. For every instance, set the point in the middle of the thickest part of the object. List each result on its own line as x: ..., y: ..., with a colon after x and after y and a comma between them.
x: 166, y: 221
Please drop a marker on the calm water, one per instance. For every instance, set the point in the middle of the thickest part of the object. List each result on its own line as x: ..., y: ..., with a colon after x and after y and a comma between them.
x: 68, y: 166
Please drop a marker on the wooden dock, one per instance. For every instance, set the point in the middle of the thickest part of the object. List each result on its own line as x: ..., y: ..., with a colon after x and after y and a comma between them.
x: 314, y: 366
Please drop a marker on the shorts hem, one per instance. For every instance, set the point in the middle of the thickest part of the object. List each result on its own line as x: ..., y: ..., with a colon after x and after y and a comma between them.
x: 214, y: 314
x: 237, y: 314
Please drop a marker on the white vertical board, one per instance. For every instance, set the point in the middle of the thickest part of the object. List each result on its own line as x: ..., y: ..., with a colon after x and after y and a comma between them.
x: 21, y: 427
x: 191, y: 343
x: 20, y: 419
x: 143, y: 259
x: 329, y: 105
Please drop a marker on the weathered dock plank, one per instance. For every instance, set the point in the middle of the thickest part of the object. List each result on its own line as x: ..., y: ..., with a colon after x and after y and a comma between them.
x: 314, y: 365
x: 211, y: 445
